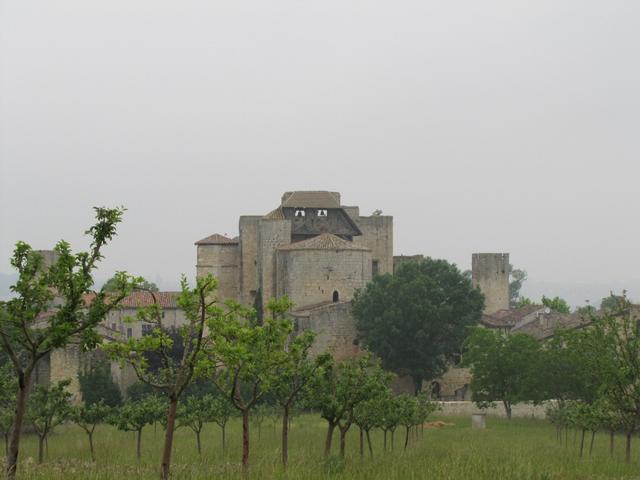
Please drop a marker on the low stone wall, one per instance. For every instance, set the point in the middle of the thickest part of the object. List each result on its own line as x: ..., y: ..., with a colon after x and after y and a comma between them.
x: 521, y: 410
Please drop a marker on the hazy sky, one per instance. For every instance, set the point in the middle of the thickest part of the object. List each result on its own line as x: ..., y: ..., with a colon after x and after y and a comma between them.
x: 479, y: 125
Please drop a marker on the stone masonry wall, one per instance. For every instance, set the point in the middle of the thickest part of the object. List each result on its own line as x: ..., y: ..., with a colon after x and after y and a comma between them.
x: 223, y: 262
x: 490, y: 272
x: 271, y: 234
x: 248, y: 258
x: 311, y: 276
x: 377, y: 234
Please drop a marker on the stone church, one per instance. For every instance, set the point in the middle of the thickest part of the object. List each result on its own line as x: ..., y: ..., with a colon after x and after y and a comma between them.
x: 311, y: 248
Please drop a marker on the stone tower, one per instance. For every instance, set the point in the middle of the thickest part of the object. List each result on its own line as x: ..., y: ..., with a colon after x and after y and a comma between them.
x: 490, y: 272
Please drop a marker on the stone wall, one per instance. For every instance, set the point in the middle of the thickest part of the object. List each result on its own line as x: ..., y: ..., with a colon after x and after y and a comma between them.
x: 248, y: 258
x: 377, y: 235
x: 115, y: 320
x: 271, y: 234
x: 520, y: 410
x: 223, y: 262
x: 311, y: 276
x: 490, y: 272
x: 335, y: 330
x: 401, y: 259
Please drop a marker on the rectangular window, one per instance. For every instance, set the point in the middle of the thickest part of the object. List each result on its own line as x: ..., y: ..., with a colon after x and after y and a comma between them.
x: 113, y: 326
x: 375, y: 268
x: 129, y: 332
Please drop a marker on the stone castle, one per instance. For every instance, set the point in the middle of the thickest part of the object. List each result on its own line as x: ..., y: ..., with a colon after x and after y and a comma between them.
x: 319, y: 253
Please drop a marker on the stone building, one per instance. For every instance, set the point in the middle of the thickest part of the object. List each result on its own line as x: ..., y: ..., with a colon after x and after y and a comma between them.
x: 311, y: 248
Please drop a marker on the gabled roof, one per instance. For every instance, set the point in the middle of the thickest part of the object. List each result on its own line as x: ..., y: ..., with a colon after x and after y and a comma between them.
x: 311, y: 199
x: 276, y: 214
x: 326, y: 241
x: 509, y: 317
x: 217, y: 239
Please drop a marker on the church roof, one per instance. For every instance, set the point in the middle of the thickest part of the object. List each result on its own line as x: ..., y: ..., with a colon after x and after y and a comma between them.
x: 311, y: 199
x: 217, y: 239
x: 325, y: 241
x: 276, y: 214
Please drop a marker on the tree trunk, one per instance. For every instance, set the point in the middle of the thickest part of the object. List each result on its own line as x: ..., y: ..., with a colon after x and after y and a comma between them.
x: 93, y: 455
x: 6, y: 443
x: 611, y: 439
x: 593, y: 436
x: 168, y: 438
x: 406, y: 437
x: 343, y: 441
x: 384, y: 444
x: 361, y: 442
x: 393, y: 434
x: 507, y: 408
x: 285, y: 436
x: 198, y: 443
x: 16, y: 430
x: 224, y: 426
x: 582, y: 442
x: 369, y: 443
x: 627, y: 452
x: 40, y: 449
x: 329, y: 439
x: 138, y: 444
x: 245, y: 439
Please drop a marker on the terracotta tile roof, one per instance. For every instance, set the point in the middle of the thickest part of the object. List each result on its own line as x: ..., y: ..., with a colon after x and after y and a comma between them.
x: 545, y: 325
x: 325, y: 241
x: 509, y: 317
x: 311, y: 199
x: 144, y: 299
x: 276, y: 214
x: 217, y: 239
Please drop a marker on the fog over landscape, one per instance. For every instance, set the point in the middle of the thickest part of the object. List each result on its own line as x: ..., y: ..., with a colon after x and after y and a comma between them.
x: 480, y: 126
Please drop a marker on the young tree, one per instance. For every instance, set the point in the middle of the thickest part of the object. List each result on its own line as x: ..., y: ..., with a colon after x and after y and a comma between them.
x: 390, y: 417
x: 408, y: 414
x: 416, y: 319
x: 341, y: 388
x: 195, y: 412
x: 293, y: 375
x: 174, y: 374
x: 8, y: 385
x: 88, y: 417
x: 134, y: 416
x: 48, y: 408
x: 223, y: 409
x: 244, y: 357
x: 557, y: 304
x: 97, y: 385
x: 31, y: 326
x: 501, y: 367
x: 368, y: 415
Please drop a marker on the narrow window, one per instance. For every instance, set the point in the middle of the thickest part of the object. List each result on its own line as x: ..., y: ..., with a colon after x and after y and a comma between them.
x: 375, y: 267
x: 300, y: 212
x: 113, y: 326
x: 336, y: 296
x: 129, y: 332
x: 322, y: 212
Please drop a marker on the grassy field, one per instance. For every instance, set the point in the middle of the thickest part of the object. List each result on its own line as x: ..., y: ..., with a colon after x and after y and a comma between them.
x: 520, y: 449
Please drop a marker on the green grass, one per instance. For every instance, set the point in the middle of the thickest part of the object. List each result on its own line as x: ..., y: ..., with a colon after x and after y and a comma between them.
x: 520, y: 449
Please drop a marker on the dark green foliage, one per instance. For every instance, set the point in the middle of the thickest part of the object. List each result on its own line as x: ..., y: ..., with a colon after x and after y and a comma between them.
x: 611, y: 302
x: 139, y: 390
x: 503, y: 368
x: 517, y: 277
x: 417, y: 319
x: 97, y: 385
x: 557, y: 304
x: 88, y: 417
x: 111, y: 285
x: 133, y: 416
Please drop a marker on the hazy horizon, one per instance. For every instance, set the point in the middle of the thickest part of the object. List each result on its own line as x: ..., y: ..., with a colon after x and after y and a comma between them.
x: 480, y: 126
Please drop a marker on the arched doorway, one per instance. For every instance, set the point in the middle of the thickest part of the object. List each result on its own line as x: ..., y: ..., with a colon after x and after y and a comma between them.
x: 336, y: 296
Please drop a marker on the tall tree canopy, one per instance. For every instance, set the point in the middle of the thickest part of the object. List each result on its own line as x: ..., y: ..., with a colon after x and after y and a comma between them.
x: 417, y: 319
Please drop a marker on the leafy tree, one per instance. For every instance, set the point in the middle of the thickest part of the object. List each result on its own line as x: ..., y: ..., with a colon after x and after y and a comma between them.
x: 134, y: 416
x: 173, y: 376
x: 523, y: 302
x: 293, y: 375
x: 222, y: 410
x: 408, y: 413
x: 31, y: 326
x: 48, y: 408
x: 585, y: 310
x: 243, y: 358
x: 502, y: 367
x: 516, y: 278
x: 557, y: 304
x: 612, y: 301
x: 8, y: 385
x: 390, y: 417
x: 88, y: 417
x: 112, y: 285
x: 341, y: 388
x: 416, y: 320
x: 97, y: 385
x: 369, y: 415
x: 195, y: 412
